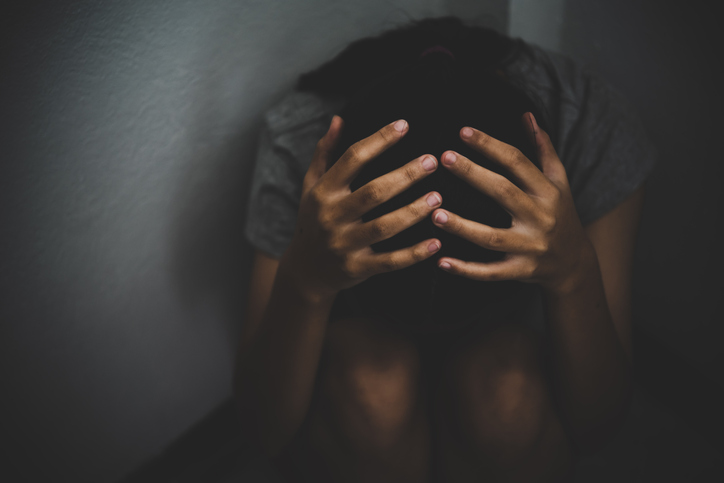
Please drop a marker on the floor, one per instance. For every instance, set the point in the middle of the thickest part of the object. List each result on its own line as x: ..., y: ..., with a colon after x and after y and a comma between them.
x: 672, y: 433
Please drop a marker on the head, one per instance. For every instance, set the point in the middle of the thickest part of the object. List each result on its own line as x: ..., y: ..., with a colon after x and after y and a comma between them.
x: 438, y: 90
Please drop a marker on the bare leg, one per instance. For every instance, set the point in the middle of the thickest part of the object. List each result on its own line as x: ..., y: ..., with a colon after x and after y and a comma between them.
x: 368, y: 419
x: 493, y: 415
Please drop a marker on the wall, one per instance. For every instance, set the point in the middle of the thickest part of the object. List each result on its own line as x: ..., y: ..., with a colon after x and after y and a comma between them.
x: 126, y: 133
x: 127, y: 129
x: 665, y: 57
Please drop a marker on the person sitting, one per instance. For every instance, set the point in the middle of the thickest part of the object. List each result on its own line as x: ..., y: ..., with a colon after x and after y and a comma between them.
x: 444, y: 220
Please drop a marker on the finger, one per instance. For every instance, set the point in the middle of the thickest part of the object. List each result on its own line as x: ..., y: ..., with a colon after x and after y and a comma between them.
x: 510, y: 157
x: 393, y: 223
x: 497, y: 186
x: 387, y: 186
x: 550, y: 162
x: 360, y: 153
x: 508, y: 269
x: 498, y: 239
x: 320, y: 159
x: 390, y: 261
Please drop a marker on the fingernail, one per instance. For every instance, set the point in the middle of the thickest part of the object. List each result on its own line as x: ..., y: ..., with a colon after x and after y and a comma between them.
x: 429, y: 163
x: 533, y: 122
x: 433, y: 247
x: 466, y: 132
x: 445, y: 265
x: 441, y: 217
x: 401, y: 125
x: 433, y: 199
x: 449, y: 158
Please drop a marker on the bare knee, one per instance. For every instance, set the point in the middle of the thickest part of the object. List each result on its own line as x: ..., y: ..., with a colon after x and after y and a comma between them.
x: 498, y: 397
x: 371, y: 383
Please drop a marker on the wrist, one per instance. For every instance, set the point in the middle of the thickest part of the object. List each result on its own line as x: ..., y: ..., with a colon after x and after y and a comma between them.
x: 580, y: 272
x: 294, y: 278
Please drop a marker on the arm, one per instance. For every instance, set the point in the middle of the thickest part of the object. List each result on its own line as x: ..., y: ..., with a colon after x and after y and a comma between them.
x: 614, y: 238
x: 330, y: 251
x: 594, y: 379
x: 263, y: 271
x: 546, y: 244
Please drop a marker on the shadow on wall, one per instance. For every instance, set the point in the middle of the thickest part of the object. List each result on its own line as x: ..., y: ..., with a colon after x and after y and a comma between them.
x: 665, y: 58
x: 211, y: 258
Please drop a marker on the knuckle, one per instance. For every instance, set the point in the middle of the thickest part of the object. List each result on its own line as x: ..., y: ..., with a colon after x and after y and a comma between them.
x: 387, y: 134
x: 540, y: 247
x: 504, y: 188
x: 315, y: 196
x: 371, y: 195
x: 494, y: 239
x: 416, y: 210
x: 532, y: 270
x: 420, y: 253
x: 336, y: 246
x: 464, y: 167
x: 390, y: 264
x: 494, y: 276
x: 516, y: 158
x: 325, y: 220
x: 377, y: 230
x: 356, y: 151
x: 556, y: 195
x: 410, y: 174
x: 481, y: 139
x: 350, y: 268
x: 455, y: 223
x: 548, y: 222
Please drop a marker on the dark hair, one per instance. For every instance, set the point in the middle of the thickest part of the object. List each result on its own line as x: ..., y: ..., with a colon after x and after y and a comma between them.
x: 368, y: 59
x: 437, y: 94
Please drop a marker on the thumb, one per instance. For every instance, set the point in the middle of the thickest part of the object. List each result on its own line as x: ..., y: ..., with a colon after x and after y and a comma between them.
x: 321, y: 158
x: 550, y: 163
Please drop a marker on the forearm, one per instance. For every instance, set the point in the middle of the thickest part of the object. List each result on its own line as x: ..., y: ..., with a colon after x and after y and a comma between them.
x: 277, y: 378
x: 591, y: 370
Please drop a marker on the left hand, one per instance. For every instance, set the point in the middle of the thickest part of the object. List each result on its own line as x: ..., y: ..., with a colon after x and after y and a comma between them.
x: 546, y: 243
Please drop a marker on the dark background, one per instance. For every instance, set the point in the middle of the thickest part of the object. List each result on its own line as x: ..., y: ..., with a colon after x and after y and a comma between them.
x: 128, y: 132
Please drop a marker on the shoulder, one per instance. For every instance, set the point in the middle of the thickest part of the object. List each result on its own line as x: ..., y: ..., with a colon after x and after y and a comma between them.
x: 293, y: 125
x: 556, y: 77
x: 297, y: 109
x: 569, y: 92
x: 597, y: 134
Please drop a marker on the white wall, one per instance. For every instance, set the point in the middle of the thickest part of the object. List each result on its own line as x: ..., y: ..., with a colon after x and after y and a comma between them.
x: 126, y: 136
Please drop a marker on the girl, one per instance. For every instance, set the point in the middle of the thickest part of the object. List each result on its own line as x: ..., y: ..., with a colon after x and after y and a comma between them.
x: 441, y: 288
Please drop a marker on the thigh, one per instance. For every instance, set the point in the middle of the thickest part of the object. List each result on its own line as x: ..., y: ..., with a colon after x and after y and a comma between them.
x: 367, y: 420
x: 493, y: 415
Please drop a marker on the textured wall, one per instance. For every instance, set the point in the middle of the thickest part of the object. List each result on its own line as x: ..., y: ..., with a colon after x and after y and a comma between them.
x: 126, y: 133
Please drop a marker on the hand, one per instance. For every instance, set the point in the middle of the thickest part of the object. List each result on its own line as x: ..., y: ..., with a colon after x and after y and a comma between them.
x: 546, y: 242
x: 330, y: 250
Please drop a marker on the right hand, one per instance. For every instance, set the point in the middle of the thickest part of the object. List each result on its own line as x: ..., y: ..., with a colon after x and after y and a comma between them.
x: 330, y: 250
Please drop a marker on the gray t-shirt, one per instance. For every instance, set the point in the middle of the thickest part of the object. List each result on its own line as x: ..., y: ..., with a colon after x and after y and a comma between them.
x: 600, y: 140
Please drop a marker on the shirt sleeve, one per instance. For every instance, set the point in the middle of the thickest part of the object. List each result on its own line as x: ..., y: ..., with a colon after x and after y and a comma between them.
x: 274, y: 197
x: 289, y: 134
x: 603, y: 145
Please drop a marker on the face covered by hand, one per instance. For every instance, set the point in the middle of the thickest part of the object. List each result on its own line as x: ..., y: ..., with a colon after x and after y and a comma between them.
x: 437, y: 97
